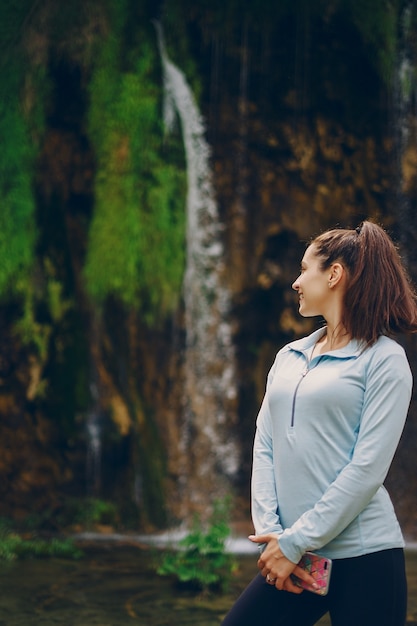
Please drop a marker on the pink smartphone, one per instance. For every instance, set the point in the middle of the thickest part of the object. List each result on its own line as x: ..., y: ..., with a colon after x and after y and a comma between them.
x: 319, y: 567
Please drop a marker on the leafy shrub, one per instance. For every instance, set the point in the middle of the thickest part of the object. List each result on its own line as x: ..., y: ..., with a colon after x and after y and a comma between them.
x: 93, y: 511
x: 201, y: 561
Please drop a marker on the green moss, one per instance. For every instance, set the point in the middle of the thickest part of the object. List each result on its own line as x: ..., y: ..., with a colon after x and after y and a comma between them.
x: 136, y: 239
x: 17, y: 223
x: 21, y: 123
x: 24, y: 88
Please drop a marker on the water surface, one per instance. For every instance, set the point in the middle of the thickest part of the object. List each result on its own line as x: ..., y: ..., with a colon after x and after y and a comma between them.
x: 115, y: 586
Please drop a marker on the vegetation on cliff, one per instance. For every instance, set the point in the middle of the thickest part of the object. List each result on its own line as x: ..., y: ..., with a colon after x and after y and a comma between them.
x: 135, y: 246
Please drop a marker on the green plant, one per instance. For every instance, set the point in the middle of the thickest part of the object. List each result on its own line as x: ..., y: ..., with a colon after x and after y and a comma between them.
x: 35, y: 547
x: 201, y: 560
x: 14, y: 546
x: 89, y: 512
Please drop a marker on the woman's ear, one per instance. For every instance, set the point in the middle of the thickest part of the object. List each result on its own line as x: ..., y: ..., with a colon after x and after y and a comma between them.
x: 336, y: 274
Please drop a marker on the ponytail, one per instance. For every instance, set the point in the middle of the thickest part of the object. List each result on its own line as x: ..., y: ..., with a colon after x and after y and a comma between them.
x: 379, y: 297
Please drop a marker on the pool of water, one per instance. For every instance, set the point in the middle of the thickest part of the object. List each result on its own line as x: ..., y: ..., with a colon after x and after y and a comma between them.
x: 115, y: 586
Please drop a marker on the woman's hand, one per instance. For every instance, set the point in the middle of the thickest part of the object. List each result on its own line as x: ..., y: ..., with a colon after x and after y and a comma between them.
x: 276, y: 568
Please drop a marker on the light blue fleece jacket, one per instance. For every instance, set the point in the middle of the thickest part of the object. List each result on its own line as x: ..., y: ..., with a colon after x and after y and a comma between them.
x: 326, y: 434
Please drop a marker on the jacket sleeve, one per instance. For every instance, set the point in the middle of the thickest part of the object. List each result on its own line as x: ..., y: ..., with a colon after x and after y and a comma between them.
x: 264, y: 496
x: 386, y: 402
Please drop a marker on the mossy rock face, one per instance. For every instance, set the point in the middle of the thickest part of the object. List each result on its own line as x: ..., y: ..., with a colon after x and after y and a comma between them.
x: 92, y: 220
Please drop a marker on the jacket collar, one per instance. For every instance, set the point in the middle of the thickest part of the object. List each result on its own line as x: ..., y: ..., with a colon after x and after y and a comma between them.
x: 350, y: 350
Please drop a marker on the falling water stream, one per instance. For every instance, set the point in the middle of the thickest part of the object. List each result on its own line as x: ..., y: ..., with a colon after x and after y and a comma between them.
x: 94, y: 444
x: 209, y: 452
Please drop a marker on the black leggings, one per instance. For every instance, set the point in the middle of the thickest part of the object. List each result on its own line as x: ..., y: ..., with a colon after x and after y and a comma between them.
x: 368, y: 590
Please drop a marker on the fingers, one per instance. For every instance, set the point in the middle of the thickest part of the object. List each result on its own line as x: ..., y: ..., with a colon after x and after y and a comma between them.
x: 305, y: 576
x: 282, y: 584
x: 265, y: 571
x: 291, y: 587
x: 259, y: 538
x: 270, y: 558
x: 276, y: 568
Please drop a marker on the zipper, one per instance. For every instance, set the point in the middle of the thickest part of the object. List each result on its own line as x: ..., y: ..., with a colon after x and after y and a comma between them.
x: 303, y: 375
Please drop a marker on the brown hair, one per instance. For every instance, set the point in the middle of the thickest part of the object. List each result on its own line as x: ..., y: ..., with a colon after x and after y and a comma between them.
x: 379, y: 297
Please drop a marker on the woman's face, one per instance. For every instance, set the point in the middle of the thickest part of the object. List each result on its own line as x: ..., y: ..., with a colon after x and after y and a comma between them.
x: 312, y: 285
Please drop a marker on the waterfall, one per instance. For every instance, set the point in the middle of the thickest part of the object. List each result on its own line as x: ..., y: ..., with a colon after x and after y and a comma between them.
x: 93, y: 433
x: 209, y: 449
x: 94, y: 425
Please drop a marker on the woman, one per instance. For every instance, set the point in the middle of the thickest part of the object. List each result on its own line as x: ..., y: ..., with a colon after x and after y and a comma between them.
x: 330, y: 422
